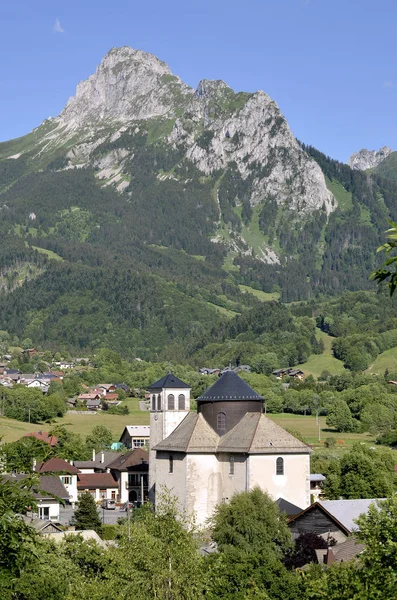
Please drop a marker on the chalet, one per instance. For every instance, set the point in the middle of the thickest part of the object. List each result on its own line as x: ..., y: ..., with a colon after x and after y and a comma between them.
x: 135, y: 436
x: 99, y: 485
x: 294, y: 373
x: 43, y: 526
x: 128, y: 473
x: 206, y: 371
x: 330, y: 518
x: 66, y: 472
x: 89, y: 396
x: 43, y: 436
x: 48, y: 497
x: 30, y: 351
x: 131, y: 470
x: 107, y: 387
x: 122, y: 386
x: 93, y: 405
x: 111, y: 397
x: 98, y: 463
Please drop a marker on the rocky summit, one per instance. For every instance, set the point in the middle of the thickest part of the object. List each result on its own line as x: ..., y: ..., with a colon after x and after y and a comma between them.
x: 368, y: 159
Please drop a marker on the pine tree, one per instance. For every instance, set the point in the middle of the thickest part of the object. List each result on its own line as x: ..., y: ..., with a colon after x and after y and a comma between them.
x: 86, y: 516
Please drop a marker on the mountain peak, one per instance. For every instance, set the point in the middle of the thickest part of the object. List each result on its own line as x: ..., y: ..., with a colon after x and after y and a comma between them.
x: 128, y: 85
x: 368, y: 159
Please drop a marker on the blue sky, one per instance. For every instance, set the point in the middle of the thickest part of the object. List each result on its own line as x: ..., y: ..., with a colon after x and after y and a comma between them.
x: 329, y: 64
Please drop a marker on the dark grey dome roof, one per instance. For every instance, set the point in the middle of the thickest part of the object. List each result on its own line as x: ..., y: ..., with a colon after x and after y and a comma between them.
x: 229, y: 387
x: 169, y: 381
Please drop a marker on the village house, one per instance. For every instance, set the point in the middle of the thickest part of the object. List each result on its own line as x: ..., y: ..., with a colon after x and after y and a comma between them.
x: 99, y: 485
x: 131, y: 471
x: 51, y: 492
x: 330, y: 518
x: 294, y: 373
x: 98, y: 463
x: 66, y: 472
x: 135, y: 436
x: 128, y: 474
x: 228, y: 446
x: 43, y: 436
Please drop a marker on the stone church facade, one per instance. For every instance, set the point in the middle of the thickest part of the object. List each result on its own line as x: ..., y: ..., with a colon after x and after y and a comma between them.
x: 228, y: 446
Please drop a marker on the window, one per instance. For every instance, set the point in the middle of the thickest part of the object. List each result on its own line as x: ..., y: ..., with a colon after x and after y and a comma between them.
x: 44, y: 512
x: 113, y: 494
x: 158, y: 402
x: 181, y: 402
x: 66, y: 480
x: 138, y: 443
x: 171, y: 464
x: 221, y: 421
x: 171, y: 402
x: 133, y: 479
x: 280, y: 466
x: 231, y: 465
x: 153, y: 402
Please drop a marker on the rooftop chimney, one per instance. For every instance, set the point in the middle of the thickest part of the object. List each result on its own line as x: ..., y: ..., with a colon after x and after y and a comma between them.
x: 34, y: 464
x: 93, y: 454
x: 102, y: 457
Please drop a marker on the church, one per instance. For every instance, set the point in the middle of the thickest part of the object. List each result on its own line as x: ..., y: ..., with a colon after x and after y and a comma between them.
x: 229, y: 445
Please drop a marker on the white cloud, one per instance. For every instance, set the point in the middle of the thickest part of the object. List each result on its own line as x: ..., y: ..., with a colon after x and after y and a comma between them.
x: 57, y: 26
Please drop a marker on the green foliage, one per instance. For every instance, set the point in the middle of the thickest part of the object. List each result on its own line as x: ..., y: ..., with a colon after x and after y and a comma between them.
x: 86, y: 515
x: 362, y: 472
x: 339, y: 416
x: 18, y: 456
x: 101, y: 437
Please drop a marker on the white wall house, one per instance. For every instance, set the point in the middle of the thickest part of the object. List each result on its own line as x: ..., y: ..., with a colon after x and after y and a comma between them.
x: 135, y: 436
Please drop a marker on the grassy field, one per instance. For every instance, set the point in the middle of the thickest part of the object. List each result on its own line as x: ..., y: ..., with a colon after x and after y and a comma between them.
x: 386, y: 360
x: 317, y: 363
x: 263, y: 296
x: 11, y: 430
x: 224, y: 311
x: 49, y: 253
x: 307, y: 426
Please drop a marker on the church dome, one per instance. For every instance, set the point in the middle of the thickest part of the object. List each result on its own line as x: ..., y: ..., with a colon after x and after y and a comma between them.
x: 226, y: 402
x: 230, y: 387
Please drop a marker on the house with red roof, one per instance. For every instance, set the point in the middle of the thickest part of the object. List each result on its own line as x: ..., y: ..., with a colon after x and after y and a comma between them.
x: 43, y: 436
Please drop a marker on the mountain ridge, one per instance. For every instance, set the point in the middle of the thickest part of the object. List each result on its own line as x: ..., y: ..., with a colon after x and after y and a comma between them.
x: 211, y: 193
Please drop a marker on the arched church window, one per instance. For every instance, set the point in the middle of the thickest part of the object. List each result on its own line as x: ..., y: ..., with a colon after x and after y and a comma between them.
x: 171, y: 402
x: 181, y: 402
x: 221, y: 421
x: 171, y: 464
x: 280, y: 466
x: 231, y: 465
x: 153, y: 402
x: 158, y: 402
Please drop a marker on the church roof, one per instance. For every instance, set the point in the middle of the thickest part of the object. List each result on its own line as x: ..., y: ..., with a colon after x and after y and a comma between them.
x: 257, y: 434
x: 229, y: 387
x: 169, y: 381
x: 254, y: 434
x: 193, y: 434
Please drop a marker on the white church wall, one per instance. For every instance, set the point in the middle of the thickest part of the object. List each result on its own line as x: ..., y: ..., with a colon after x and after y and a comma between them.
x: 174, y: 482
x: 232, y: 483
x: 203, y: 486
x: 293, y: 486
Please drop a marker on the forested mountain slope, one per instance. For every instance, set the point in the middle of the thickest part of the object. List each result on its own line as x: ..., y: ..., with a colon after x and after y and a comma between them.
x: 143, y: 183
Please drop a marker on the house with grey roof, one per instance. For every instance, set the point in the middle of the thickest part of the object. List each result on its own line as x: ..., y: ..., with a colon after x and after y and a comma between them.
x: 330, y: 518
x: 229, y: 445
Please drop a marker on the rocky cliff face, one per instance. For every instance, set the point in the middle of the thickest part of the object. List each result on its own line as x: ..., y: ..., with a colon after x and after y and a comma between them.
x: 368, y: 159
x: 249, y: 131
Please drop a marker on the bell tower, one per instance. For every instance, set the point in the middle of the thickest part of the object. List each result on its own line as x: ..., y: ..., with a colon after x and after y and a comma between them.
x: 169, y: 405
